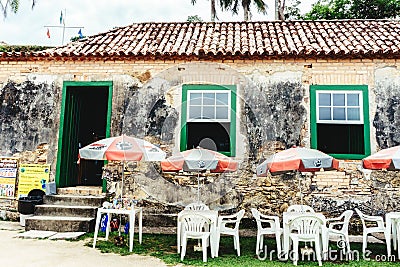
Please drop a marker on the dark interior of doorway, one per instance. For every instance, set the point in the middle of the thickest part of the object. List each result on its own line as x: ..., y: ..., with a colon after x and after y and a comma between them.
x: 92, y: 127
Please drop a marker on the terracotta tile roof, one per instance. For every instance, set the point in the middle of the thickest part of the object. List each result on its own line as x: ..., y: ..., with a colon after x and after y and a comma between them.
x: 258, y: 40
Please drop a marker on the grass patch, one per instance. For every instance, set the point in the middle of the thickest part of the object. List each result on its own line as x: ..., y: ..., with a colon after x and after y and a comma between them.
x: 163, y: 246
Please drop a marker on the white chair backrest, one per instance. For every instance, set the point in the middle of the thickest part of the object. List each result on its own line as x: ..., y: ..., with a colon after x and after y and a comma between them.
x: 232, y: 219
x: 197, y: 206
x: 361, y: 215
x: 306, y: 225
x: 194, y: 223
x: 300, y: 208
x: 260, y: 219
x: 346, y: 219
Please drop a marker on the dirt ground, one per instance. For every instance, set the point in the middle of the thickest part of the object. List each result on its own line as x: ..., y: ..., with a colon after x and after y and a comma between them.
x: 24, y: 252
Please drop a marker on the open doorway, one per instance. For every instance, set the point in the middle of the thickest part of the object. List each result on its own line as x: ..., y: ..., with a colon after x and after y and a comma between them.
x: 85, y: 118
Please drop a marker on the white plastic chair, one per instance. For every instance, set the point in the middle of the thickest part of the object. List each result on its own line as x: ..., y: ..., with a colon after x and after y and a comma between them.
x: 339, y: 226
x: 197, y: 206
x: 229, y: 225
x: 267, y: 225
x: 397, y: 222
x: 300, y: 208
x: 306, y: 228
x: 378, y: 227
x: 195, y: 226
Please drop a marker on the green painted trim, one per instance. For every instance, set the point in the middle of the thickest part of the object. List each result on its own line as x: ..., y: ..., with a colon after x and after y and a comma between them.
x: 205, y: 87
x: 66, y: 84
x: 60, y: 137
x: 313, y: 117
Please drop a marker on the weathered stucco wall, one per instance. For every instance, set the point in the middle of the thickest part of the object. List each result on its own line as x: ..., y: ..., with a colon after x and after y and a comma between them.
x: 272, y: 113
x: 387, y: 117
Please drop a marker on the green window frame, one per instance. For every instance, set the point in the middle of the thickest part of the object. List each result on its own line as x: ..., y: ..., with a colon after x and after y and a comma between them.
x: 362, y: 120
x: 189, y: 89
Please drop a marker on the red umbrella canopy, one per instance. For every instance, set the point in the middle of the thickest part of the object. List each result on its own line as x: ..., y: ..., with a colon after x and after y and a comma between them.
x: 199, y: 159
x: 297, y: 158
x: 388, y: 158
x: 122, y: 148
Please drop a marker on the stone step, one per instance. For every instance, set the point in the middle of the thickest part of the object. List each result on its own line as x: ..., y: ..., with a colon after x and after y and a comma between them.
x: 74, y: 200
x: 81, y: 190
x: 65, y: 210
x: 60, y: 224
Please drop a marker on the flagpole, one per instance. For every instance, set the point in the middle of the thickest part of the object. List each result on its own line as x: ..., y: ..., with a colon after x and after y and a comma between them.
x: 63, y: 21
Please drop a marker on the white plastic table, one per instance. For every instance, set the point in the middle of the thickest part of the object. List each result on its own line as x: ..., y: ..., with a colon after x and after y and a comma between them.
x: 288, y: 216
x: 390, y: 219
x: 131, y: 214
x: 212, y: 215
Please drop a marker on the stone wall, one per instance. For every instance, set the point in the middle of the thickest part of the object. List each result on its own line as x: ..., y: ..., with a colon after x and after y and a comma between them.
x: 272, y: 114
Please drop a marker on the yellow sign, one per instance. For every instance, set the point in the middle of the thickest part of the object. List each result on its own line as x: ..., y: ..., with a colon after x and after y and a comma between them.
x: 32, y: 176
x: 8, y: 176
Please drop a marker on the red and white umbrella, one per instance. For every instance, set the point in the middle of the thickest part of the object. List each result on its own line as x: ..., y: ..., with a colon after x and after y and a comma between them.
x: 122, y: 148
x: 388, y: 159
x: 297, y: 159
x: 198, y: 160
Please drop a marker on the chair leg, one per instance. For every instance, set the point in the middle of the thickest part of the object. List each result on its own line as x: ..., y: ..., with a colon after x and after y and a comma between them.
x: 348, y: 246
x: 204, y: 244
x: 387, y: 239
x: 278, y: 244
x: 295, y: 251
x: 318, y: 252
x: 364, y: 247
x: 262, y: 242
x: 236, y: 238
x: 183, y: 249
x: 258, y: 244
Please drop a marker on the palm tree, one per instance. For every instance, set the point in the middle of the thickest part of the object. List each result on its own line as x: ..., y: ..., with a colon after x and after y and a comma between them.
x: 213, y: 11
x: 233, y: 5
x: 13, y: 5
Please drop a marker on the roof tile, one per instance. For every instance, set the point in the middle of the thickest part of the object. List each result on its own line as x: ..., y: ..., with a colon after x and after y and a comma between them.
x: 265, y: 39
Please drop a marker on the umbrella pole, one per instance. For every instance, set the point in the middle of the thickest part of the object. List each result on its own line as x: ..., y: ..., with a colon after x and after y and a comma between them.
x: 301, y: 194
x: 198, y: 188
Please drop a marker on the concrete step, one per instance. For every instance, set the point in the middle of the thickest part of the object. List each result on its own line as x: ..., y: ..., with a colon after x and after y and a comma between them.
x: 74, y: 200
x: 65, y: 210
x: 60, y: 223
x: 81, y: 190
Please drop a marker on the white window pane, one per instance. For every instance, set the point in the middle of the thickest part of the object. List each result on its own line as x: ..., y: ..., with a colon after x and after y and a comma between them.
x: 208, y: 113
x: 194, y: 112
x: 222, y: 112
x: 338, y: 99
x: 325, y: 113
x: 353, y: 100
x: 324, y: 99
x: 195, y: 99
x: 209, y: 99
x: 339, y: 114
x: 353, y: 114
x: 222, y: 98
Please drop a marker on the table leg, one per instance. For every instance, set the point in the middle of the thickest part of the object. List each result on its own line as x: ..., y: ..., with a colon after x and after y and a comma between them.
x: 96, y: 230
x: 140, y: 225
x: 131, y: 229
x: 108, y: 225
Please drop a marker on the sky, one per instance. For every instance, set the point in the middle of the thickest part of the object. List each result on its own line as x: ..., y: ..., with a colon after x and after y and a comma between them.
x: 30, y: 26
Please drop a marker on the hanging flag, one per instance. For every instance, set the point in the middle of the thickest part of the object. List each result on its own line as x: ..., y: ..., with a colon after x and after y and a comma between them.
x: 61, y: 17
x: 48, y: 33
x: 80, y: 34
